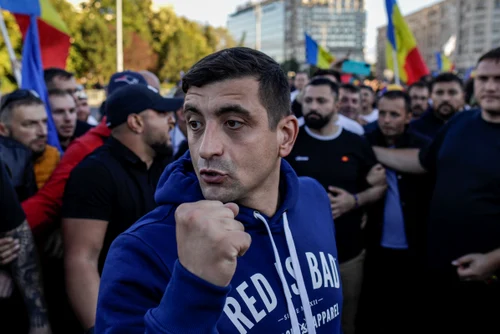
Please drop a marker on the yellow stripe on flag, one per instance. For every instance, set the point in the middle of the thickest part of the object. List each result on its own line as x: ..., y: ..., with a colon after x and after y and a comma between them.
x: 325, y: 58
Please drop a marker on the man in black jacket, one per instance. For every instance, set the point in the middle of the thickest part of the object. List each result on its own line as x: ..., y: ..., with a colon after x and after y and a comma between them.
x: 18, y: 161
x: 395, y: 227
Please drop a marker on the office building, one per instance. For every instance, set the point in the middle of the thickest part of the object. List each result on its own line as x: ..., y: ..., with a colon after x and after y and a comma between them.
x: 260, y: 26
x: 278, y: 27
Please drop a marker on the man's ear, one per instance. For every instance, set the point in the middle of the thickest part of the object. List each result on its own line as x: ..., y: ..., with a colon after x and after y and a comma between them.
x: 4, y: 130
x: 135, y: 123
x: 288, y: 129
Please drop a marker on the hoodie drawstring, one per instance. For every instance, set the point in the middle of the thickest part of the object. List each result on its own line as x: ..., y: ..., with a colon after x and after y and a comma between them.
x: 306, y: 304
x: 311, y: 329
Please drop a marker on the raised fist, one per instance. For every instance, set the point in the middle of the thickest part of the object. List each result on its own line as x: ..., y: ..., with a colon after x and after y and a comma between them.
x: 209, y: 240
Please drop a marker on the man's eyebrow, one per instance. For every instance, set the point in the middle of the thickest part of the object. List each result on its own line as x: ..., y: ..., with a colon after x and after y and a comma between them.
x: 233, y: 109
x: 191, y: 108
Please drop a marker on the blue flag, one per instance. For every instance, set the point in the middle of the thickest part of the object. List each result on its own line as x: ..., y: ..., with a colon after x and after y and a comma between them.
x: 32, y: 76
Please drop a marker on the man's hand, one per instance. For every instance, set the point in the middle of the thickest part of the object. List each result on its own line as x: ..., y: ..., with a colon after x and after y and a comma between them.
x: 9, y: 250
x: 209, y: 240
x: 341, y: 201
x: 6, y: 285
x: 376, y: 176
x: 475, y: 267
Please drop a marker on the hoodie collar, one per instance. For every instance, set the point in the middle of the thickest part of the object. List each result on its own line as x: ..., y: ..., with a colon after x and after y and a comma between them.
x: 179, y: 184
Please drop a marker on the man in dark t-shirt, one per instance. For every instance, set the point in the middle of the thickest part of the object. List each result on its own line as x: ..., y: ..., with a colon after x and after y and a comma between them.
x: 341, y: 162
x: 448, y: 98
x: 463, y: 238
x: 112, y: 188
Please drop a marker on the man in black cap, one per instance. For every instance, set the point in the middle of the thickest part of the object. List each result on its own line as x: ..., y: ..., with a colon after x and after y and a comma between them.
x: 113, y: 187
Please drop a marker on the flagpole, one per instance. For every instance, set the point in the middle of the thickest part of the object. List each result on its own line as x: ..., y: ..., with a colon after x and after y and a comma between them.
x: 119, y: 36
x: 396, y: 67
x: 12, y: 55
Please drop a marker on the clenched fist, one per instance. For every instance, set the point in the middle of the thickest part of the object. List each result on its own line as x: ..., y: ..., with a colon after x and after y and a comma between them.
x: 209, y: 240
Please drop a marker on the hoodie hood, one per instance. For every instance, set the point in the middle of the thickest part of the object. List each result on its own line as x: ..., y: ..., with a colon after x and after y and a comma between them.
x: 181, y: 175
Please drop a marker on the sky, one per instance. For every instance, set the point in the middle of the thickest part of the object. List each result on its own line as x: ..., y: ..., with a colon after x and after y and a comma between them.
x: 215, y: 12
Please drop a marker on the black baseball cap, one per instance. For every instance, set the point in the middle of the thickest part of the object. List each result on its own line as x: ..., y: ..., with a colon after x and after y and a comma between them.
x: 125, y: 78
x: 134, y: 99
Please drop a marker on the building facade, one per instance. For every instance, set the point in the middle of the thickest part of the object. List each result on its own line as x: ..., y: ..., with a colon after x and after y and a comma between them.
x: 479, y: 30
x: 278, y: 27
x: 260, y: 26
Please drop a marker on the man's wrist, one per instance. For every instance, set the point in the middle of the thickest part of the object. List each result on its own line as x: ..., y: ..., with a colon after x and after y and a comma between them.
x: 356, y: 201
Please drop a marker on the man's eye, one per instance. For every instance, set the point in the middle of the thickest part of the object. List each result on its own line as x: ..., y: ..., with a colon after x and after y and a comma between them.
x: 233, y: 125
x: 195, y: 125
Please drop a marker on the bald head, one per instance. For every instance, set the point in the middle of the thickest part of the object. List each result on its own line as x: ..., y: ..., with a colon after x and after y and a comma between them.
x: 151, y: 79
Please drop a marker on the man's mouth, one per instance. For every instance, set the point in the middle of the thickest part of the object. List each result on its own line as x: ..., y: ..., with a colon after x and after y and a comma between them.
x: 212, y: 176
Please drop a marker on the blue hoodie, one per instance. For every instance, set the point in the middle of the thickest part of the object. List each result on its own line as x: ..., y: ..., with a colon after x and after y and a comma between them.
x: 144, y: 288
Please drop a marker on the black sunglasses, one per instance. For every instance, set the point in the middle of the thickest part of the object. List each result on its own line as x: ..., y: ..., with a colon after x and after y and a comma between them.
x: 17, y: 95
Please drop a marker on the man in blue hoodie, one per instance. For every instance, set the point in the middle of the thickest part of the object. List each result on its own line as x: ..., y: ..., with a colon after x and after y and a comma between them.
x: 239, y: 243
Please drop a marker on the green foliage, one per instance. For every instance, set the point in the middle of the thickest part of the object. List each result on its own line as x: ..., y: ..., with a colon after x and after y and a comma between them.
x: 159, y: 41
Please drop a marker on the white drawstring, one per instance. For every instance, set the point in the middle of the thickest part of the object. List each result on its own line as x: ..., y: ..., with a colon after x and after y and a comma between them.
x: 288, y: 295
x: 298, y: 276
x: 311, y: 329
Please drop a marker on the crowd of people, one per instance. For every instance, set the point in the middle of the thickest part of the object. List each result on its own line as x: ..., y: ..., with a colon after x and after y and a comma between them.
x: 249, y: 203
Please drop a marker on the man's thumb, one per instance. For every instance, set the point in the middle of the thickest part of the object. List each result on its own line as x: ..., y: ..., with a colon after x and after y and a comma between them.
x: 233, y: 207
x: 463, y: 260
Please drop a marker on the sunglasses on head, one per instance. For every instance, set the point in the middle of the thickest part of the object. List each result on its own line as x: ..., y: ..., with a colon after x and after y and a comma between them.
x: 17, y: 95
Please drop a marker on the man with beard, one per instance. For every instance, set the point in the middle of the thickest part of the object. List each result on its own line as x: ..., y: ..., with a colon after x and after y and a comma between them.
x: 419, y: 97
x: 112, y: 188
x: 341, y: 162
x: 447, y: 94
x: 463, y: 247
x: 24, y: 119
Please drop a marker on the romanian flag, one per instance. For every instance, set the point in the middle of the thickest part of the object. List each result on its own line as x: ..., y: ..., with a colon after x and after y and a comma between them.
x: 444, y: 63
x: 316, y: 55
x: 52, y: 31
x: 400, y: 39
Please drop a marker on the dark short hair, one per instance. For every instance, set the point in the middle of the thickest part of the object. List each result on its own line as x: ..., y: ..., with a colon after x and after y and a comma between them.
x: 350, y: 88
x: 418, y: 84
x: 51, y: 73
x: 322, y: 72
x: 325, y: 82
x: 59, y: 92
x: 447, y: 77
x: 367, y: 88
x: 491, y: 55
x: 24, y: 98
x: 240, y: 62
x: 397, y: 94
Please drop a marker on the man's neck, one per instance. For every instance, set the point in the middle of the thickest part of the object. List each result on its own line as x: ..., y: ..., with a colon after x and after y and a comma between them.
x: 327, y: 130
x: 64, y: 142
x: 146, y: 154
x: 366, y: 112
x: 491, y: 117
x: 266, y: 199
